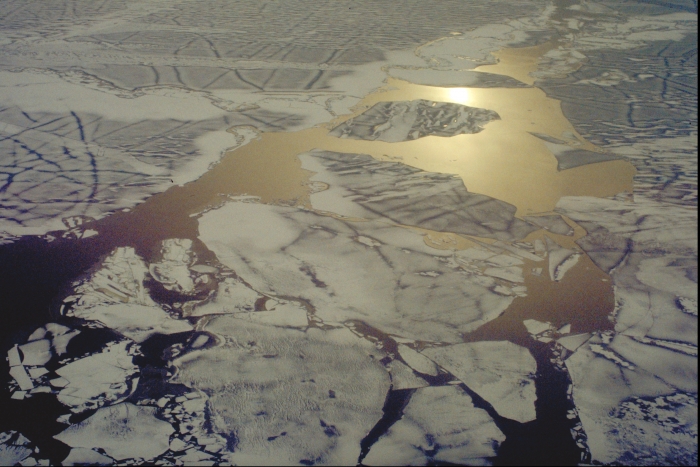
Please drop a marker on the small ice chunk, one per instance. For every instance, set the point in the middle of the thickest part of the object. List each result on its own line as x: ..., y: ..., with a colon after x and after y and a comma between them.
x: 13, y: 356
x: 39, y: 333
x: 177, y: 445
x: 36, y: 353
x: 566, y: 329
x: 124, y: 431
x: 56, y: 329
x: 511, y: 274
x: 35, y: 373
x: 199, y: 341
x: 537, y: 272
x: 204, y: 269
x: 60, y: 342
x: 20, y: 375
x: 536, y: 327
x: 59, y: 382
x: 41, y: 389
x: 83, y: 456
x: 18, y: 395
x: 402, y: 377
x: 560, y: 260
x: 417, y: 361
x: 573, y: 342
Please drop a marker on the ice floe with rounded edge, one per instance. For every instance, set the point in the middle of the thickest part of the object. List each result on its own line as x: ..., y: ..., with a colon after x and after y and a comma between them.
x: 439, y: 424
x: 499, y: 371
x: 287, y: 395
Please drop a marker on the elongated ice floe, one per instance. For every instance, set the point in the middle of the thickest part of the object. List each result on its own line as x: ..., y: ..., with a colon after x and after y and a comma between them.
x: 500, y: 372
x: 361, y: 186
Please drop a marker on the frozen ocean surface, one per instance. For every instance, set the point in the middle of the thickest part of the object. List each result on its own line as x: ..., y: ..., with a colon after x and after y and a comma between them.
x: 357, y: 232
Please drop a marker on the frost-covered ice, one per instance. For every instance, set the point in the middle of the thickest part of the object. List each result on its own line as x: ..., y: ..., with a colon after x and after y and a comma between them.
x: 232, y: 296
x: 289, y: 396
x: 124, y: 431
x: 439, y: 424
x: 403, y: 121
x: 173, y: 269
x: 499, y: 371
x: 292, y: 252
x: 360, y: 186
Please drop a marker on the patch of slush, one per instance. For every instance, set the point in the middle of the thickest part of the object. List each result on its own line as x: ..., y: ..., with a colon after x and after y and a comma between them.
x: 439, y: 425
x: 499, y: 371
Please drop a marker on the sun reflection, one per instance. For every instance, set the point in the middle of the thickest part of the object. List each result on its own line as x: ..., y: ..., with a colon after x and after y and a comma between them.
x: 458, y: 95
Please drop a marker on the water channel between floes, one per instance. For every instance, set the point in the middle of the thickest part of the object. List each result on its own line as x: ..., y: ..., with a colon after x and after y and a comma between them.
x: 504, y: 161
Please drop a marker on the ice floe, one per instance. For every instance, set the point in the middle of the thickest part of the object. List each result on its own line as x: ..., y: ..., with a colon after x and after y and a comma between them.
x: 569, y: 157
x: 123, y: 431
x: 561, y: 259
x: 289, y: 396
x: 402, y: 121
x: 361, y: 186
x: 439, y: 424
x: 99, y: 379
x: 635, y: 401
x: 296, y: 253
x: 499, y: 371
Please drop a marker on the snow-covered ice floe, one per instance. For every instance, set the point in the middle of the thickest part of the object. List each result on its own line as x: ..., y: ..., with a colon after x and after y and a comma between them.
x: 439, y: 424
x: 401, y: 285
x: 289, y: 396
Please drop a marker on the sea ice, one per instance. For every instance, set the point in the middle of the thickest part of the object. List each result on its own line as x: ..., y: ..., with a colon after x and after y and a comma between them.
x: 295, y: 253
x: 289, y: 396
x: 101, y: 378
x: 124, y: 431
x: 13, y: 448
x: 499, y: 371
x: 439, y: 424
x: 83, y: 456
x: 137, y: 322
x: 417, y: 361
x: 402, y: 121
x: 360, y: 186
x: 561, y: 259
x: 173, y: 269
x: 232, y: 296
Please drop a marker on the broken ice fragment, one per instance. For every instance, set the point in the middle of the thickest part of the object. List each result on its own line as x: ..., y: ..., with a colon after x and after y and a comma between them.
x: 500, y: 372
x: 13, y: 357
x: 560, y: 259
x: 36, y: 353
x: 60, y: 342
x: 39, y: 333
x: 536, y: 327
x: 417, y: 361
x: 20, y: 375
x: 37, y: 372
